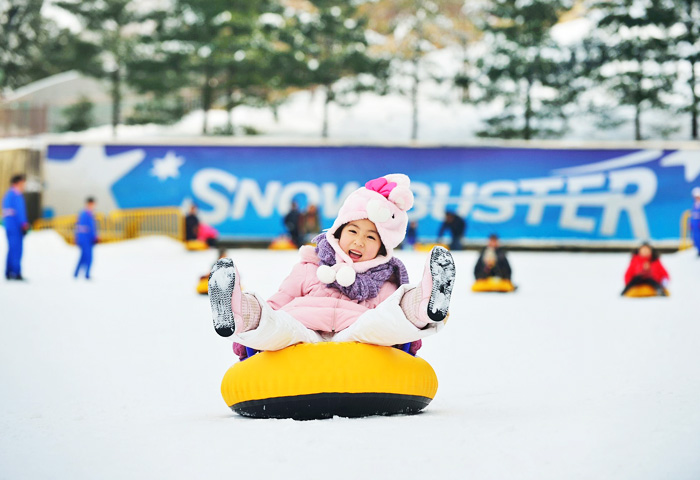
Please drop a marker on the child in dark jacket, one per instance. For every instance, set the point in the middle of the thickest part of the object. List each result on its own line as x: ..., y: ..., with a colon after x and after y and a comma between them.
x: 645, y: 268
x: 492, y: 261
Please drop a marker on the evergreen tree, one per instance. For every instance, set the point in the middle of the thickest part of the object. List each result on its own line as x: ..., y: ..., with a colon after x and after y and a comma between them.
x: 250, y: 51
x: 162, y: 109
x: 161, y: 75
x: 20, y: 24
x: 462, y: 16
x: 328, y: 40
x: 78, y: 117
x: 413, y: 29
x: 33, y: 47
x: 60, y: 50
x: 526, y: 71
x: 109, y: 26
x: 687, y: 49
x: 207, y: 45
x: 634, y: 53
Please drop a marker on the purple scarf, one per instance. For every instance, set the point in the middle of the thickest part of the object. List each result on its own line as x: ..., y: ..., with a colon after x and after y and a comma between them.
x: 367, y: 284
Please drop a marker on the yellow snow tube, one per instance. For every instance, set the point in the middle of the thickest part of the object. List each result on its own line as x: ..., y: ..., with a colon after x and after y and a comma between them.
x: 493, y: 284
x: 426, y: 247
x: 193, y: 245
x: 322, y: 380
x: 203, y: 285
x: 282, y: 243
x: 639, y: 291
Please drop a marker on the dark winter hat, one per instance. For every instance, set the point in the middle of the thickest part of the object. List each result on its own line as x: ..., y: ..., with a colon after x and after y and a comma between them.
x: 15, y: 179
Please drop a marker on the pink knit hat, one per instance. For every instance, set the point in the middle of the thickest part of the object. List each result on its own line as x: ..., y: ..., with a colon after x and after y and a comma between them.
x: 384, y: 201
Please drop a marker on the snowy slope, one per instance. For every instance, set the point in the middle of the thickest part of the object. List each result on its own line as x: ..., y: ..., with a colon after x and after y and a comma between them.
x: 119, y: 377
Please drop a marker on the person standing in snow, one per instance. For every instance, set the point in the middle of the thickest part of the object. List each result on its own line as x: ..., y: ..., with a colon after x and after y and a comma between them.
x: 695, y: 219
x: 191, y: 224
x: 292, y: 223
x: 457, y: 227
x: 14, y: 215
x: 348, y: 288
x: 411, y: 236
x: 86, y: 237
x: 645, y: 269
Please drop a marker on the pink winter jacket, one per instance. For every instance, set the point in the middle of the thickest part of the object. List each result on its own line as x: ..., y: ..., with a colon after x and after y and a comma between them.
x: 317, y: 305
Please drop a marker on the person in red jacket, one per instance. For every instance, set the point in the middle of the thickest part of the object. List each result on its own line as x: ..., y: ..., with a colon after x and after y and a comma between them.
x: 645, y: 268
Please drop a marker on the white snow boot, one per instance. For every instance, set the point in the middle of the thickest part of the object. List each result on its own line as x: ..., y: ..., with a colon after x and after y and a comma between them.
x: 222, y: 283
x: 430, y: 301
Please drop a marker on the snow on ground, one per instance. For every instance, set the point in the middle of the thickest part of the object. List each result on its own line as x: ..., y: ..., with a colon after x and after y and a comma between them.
x: 119, y: 377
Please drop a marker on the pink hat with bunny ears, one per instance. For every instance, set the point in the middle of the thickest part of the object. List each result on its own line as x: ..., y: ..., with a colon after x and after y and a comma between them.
x: 384, y: 201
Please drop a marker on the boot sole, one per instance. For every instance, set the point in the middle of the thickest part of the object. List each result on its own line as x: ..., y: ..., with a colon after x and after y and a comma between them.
x: 442, y: 271
x: 222, y: 279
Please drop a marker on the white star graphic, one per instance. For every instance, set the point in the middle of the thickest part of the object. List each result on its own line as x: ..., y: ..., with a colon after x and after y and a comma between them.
x: 690, y: 159
x: 90, y: 173
x: 167, y: 167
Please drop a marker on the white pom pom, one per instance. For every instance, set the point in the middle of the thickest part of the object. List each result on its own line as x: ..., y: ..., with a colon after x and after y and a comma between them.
x: 325, y: 274
x: 376, y: 212
x: 345, y: 276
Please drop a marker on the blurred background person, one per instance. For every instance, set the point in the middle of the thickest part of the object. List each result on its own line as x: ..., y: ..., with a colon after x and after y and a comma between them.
x: 191, y: 224
x: 492, y: 261
x: 695, y: 219
x: 310, y: 223
x: 207, y: 234
x: 291, y: 223
x: 14, y: 214
x: 411, y: 236
x: 86, y: 237
x: 645, y: 268
x: 457, y: 227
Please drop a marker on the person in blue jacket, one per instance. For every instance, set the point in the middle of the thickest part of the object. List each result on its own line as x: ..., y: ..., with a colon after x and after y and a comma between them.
x: 86, y: 237
x: 695, y: 219
x: 14, y: 214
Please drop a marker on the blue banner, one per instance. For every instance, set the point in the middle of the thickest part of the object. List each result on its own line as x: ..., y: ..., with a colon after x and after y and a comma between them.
x: 519, y: 193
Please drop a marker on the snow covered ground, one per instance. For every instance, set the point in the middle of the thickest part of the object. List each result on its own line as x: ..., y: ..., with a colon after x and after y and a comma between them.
x: 119, y: 377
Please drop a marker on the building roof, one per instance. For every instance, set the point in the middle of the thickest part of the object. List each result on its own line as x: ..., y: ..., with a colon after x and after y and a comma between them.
x: 61, y: 89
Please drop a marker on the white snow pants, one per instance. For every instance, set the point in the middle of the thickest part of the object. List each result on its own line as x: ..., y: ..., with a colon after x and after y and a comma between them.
x: 384, y: 325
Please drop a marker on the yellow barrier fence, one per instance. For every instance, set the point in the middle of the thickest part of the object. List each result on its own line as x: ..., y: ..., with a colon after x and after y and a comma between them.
x: 686, y: 241
x: 123, y: 224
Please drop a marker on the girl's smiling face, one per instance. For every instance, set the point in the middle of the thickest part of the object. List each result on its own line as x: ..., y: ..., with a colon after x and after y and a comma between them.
x: 359, y: 239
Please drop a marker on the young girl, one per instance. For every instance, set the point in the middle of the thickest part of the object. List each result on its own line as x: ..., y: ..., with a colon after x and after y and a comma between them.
x: 348, y: 288
x: 645, y: 268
